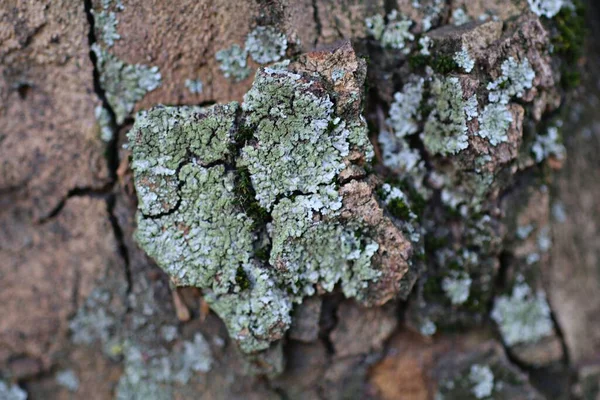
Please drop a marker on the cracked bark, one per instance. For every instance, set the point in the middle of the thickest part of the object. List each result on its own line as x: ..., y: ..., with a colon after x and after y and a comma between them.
x: 67, y: 215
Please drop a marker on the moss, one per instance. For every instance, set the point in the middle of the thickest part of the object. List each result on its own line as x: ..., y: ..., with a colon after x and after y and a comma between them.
x: 418, y: 61
x: 241, y: 279
x: 443, y: 64
x: 568, y: 39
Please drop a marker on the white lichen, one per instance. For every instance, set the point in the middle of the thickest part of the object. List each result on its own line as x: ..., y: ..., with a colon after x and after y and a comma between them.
x: 472, y: 108
x: 494, y: 123
x: 482, y: 379
x: 68, y: 380
x: 124, y: 84
x: 547, y: 8
x: 11, y: 392
x: 464, y: 60
x: 233, y: 63
x: 265, y: 44
x: 548, y: 145
x: 524, y: 317
x: 425, y: 43
x: 460, y: 17
x: 515, y: 79
x: 404, y: 111
x: 194, y: 85
x: 107, y: 22
x: 457, y: 287
x: 103, y: 120
x: 397, y: 33
x: 375, y: 26
x: 428, y: 328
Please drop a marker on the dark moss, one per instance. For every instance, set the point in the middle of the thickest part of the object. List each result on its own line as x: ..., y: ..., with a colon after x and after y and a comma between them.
x: 418, y: 61
x: 246, y: 199
x: 444, y: 64
x: 241, y: 279
x: 399, y: 209
x: 568, y: 40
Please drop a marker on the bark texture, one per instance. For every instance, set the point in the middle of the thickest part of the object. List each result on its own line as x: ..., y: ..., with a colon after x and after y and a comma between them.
x: 86, y: 313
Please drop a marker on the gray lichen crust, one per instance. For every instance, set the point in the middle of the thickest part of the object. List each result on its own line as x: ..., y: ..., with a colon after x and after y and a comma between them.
x: 244, y: 202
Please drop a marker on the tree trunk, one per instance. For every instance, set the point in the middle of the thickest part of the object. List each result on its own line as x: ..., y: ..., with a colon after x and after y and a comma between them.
x: 405, y: 210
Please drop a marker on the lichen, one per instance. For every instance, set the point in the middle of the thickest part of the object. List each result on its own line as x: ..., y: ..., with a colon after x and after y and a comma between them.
x: 106, y: 21
x: 464, y: 60
x: 265, y: 44
x: 548, y: 145
x: 300, y: 144
x: 494, y: 123
x: 104, y: 123
x: 425, y: 43
x: 233, y: 63
x: 445, y: 131
x: 375, y: 26
x: 547, y: 8
x: 11, y: 392
x: 524, y: 317
x: 396, y: 33
x: 124, y: 84
x: 482, y: 379
x: 68, y: 380
x: 460, y: 17
x: 428, y: 328
x: 404, y: 111
x: 515, y: 79
x: 457, y: 287
x: 243, y: 203
x: 194, y: 85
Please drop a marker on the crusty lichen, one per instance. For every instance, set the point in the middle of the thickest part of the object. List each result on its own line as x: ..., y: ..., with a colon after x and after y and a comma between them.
x: 124, y: 84
x: 515, y: 79
x: 482, y: 378
x: 194, y: 85
x: 548, y: 145
x: 291, y: 154
x: 219, y: 187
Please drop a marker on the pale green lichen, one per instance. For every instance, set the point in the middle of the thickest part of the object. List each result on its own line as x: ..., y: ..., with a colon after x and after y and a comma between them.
x: 68, y: 380
x: 292, y: 154
x: 428, y: 328
x: 149, y: 373
x: 11, y: 392
x: 482, y: 379
x: 106, y: 21
x: 524, y: 317
x: 233, y: 63
x: 375, y: 26
x: 460, y: 17
x: 197, y: 214
x: 464, y: 60
x: 396, y: 33
x: 472, y: 108
x: 304, y: 246
x: 103, y: 119
x: 494, y: 123
x: 548, y: 145
x: 124, y: 84
x: 515, y: 79
x: 457, y: 287
x: 404, y: 111
x: 446, y: 129
x: 194, y: 85
x: 547, y: 8
x: 425, y: 43
x: 265, y: 44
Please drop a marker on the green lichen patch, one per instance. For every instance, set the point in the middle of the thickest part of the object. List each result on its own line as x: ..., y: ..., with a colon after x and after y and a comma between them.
x: 164, y: 138
x: 246, y: 203
x: 300, y: 144
x: 445, y: 131
x: 124, y: 84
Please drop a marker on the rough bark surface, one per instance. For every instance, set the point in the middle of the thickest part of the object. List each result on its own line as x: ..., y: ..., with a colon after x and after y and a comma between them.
x: 87, y: 314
